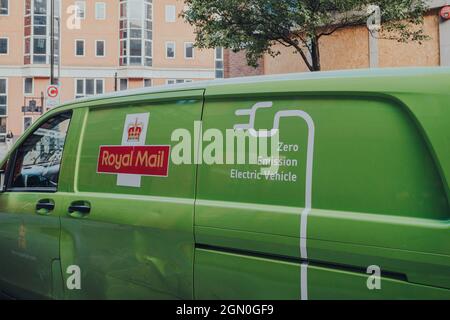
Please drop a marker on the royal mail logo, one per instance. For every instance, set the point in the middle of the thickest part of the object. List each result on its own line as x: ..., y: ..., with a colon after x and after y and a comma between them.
x: 135, y: 131
x: 134, y: 160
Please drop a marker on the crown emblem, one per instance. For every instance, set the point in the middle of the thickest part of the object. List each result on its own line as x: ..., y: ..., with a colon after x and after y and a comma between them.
x: 134, y: 131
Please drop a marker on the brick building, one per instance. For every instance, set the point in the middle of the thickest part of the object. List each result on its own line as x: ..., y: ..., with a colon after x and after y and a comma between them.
x: 355, y: 48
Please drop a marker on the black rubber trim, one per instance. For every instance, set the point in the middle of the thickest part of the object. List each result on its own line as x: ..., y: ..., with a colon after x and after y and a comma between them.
x: 316, y: 263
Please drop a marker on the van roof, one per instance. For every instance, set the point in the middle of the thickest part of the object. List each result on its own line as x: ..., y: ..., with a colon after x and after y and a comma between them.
x: 343, y: 74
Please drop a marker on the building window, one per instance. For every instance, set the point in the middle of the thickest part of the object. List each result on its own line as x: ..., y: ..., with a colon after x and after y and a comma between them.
x: 81, y: 9
x: 136, y: 48
x: 170, y: 13
x: 3, y: 127
x: 123, y: 84
x: 4, y: 7
x: 189, y: 50
x: 100, y: 11
x: 88, y: 87
x: 79, y: 48
x: 170, y: 50
x: 28, y: 86
x: 147, y: 83
x: 3, y: 97
x: 3, y: 45
x: 219, y: 63
x: 27, y: 122
x: 37, y: 32
x: 178, y: 81
x: 100, y: 48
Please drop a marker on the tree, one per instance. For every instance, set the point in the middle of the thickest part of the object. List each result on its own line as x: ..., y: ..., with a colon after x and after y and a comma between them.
x: 257, y: 26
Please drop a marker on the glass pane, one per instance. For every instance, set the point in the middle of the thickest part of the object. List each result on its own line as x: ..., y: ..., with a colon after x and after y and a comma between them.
x: 40, y: 59
x: 40, y: 31
x: 40, y: 46
x: 39, y: 157
x: 80, y: 48
x: 100, y: 48
x: 135, y: 47
x: 148, y: 48
x: 136, y: 24
x: 135, y: 61
x: 40, y: 6
x: 27, y: 122
x: 2, y: 86
x: 219, y: 73
x: 123, y: 84
x: 90, y: 87
x: 189, y: 50
x: 219, y: 54
x: 135, y: 9
x: 148, y: 11
x: 135, y: 33
x: 99, y: 86
x: 148, y: 62
x: 3, y: 100
x: 3, y: 46
x: 2, y: 110
x: 3, y: 6
x: 123, y: 10
x: 27, y: 7
x: 80, y: 84
x: 170, y: 50
x: 3, y: 125
x: 40, y: 20
x: 29, y: 85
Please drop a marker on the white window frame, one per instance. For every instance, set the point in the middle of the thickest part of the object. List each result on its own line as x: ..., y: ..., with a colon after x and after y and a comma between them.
x: 32, y: 86
x: 83, y: 7
x: 7, y: 14
x: 120, y: 86
x: 99, y: 5
x: 104, y: 48
x: 31, y: 15
x: 7, y: 46
x: 174, y: 50
x: 144, y: 40
x: 84, y: 48
x: 185, y: 51
x: 84, y: 95
x: 169, y: 18
x: 5, y: 94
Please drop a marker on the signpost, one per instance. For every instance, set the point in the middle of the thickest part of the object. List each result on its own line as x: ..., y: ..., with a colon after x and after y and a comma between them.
x: 52, y: 96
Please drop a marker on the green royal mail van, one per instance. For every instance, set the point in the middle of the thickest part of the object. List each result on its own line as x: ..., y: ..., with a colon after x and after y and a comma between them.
x: 100, y: 200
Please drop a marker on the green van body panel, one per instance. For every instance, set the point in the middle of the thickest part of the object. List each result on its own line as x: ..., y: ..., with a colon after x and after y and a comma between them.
x: 365, y: 182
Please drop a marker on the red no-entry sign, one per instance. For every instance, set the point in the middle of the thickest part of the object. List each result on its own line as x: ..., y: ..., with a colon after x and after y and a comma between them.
x: 52, y: 91
x: 52, y: 96
x: 445, y: 13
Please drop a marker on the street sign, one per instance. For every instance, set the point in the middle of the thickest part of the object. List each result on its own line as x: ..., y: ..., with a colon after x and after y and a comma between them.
x: 52, y: 96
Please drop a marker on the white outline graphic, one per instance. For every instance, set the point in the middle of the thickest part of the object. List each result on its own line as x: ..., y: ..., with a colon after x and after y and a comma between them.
x: 309, y: 172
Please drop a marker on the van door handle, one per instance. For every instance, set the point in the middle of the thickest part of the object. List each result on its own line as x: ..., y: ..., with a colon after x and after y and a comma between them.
x: 79, y: 209
x: 45, y: 207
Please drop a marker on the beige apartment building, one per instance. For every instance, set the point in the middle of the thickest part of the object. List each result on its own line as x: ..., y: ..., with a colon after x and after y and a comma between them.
x: 103, y: 45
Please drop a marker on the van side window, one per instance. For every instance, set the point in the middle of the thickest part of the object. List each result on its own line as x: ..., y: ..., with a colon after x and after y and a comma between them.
x: 38, y: 159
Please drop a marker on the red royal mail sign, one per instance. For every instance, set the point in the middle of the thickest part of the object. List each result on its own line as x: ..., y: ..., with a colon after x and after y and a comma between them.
x: 136, y: 160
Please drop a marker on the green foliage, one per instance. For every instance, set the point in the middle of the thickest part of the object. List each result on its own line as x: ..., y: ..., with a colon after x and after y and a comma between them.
x: 256, y: 26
